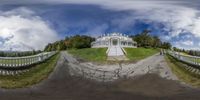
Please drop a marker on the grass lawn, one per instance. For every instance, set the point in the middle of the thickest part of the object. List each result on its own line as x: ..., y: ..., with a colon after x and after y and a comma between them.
x: 182, y: 73
x: 33, y: 76
x: 135, y: 54
x: 90, y: 54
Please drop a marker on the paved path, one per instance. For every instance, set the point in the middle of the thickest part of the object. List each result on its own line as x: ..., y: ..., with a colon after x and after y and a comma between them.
x: 105, y: 72
x: 154, y: 64
x: 115, y: 51
x: 60, y: 85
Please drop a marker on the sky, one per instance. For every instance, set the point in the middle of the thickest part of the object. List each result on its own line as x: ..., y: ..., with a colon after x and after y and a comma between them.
x: 32, y: 24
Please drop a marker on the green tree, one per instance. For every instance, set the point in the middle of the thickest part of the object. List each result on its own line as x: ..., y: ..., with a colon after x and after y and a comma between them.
x: 144, y: 39
x: 166, y: 45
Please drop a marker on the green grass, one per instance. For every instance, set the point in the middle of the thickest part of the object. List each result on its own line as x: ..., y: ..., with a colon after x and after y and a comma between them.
x: 182, y: 73
x: 33, y: 76
x: 135, y: 54
x: 90, y: 54
x: 99, y: 54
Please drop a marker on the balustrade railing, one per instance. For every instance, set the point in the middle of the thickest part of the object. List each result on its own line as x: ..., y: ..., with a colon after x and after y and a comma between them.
x: 194, y: 60
x: 24, y: 61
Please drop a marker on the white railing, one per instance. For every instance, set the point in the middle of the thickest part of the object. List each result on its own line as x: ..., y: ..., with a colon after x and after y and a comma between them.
x: 107, y: 50
x: 124, y: 51
x: 194, y: 60
x: 24, y: 61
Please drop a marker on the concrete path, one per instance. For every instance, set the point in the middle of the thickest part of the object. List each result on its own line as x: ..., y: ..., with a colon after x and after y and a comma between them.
x: 154, y: 64
x: 115, y: 51
x: 61, y: 85
x: 105, y: 72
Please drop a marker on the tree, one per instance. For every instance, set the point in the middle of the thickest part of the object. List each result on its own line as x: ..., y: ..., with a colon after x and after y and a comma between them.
x: 76, y: 41
x: 166, y: 45
x: 156, y: 42
x: 143, y: 39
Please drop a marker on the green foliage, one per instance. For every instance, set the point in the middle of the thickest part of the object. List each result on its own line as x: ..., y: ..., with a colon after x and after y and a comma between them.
x: 144, y: 39
x: 76, y: 42
x: 166, y: 45
x: 81, y: 41
x: 135, y: 54
x: 90, y: 54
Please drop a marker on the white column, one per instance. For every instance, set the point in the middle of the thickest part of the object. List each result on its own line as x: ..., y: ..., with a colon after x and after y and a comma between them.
x: 119, y: 42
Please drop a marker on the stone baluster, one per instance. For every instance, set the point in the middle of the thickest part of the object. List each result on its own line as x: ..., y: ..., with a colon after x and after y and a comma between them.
x: 35, y: 59
x: 17, y: 60
x: 0, y: 62
x: 13, y: 62
x: 3, y: 62
x: 32, y: 60
x: 29, y: 60
x: 23, y: 61
x: 6, y: 62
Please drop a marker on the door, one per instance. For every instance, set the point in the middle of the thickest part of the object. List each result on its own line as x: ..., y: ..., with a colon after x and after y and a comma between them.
x: 115, y: 42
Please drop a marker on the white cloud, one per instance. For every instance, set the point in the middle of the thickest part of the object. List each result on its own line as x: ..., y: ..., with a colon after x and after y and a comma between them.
x: 174, y: 15
x: 21, y: 30
x: 187, y: 42
x: 177, y: 19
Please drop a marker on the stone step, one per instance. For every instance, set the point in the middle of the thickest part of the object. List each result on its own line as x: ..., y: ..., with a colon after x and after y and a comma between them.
x: 115, y: 51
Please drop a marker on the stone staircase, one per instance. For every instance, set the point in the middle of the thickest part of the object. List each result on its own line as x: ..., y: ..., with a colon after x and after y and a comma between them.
x: 115, y: 51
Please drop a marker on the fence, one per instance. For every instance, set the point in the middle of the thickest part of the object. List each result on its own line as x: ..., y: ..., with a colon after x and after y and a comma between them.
x: 193, y: 60
x: 16, y: 62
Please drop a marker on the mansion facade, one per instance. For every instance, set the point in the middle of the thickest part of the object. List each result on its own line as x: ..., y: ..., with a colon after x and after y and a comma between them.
x: 114, y: 39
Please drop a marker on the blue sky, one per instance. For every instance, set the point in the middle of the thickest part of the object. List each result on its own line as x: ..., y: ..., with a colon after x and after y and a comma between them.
x: 27, y: 25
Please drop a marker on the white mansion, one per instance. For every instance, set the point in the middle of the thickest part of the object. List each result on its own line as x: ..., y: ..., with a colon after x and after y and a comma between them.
x: 115, y: 43
x: 113, y: 39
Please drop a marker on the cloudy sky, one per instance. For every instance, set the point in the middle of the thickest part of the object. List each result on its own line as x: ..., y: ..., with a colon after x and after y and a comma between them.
x: 31, y: 24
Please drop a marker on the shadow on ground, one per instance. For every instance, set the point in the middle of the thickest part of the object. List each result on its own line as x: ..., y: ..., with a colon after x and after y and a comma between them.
x: 61, y: 86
